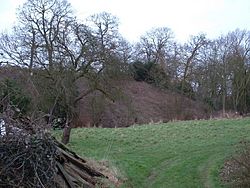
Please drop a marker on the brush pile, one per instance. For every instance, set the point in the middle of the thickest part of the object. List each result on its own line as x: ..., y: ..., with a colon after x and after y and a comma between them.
x: 31, y: 158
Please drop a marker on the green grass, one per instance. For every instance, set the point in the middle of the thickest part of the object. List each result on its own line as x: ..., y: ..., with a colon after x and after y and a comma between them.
x: 179, y: 154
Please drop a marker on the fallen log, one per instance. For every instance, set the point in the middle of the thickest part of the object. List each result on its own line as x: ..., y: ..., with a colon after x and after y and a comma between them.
x: 74, y: 167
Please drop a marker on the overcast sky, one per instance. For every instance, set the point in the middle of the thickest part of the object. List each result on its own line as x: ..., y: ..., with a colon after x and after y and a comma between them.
x: 184, y: 17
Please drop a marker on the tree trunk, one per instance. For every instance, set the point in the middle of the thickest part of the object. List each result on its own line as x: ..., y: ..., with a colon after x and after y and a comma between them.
x: 32, y: 50
x: 224, y: 94
x: 66, y: 132
x: 223, y: 105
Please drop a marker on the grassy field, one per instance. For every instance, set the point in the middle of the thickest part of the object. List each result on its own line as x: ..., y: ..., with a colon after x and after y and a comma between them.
x: 179, y: 154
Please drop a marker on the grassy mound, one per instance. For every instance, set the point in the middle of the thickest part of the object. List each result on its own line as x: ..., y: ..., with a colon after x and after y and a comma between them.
x: 178, y: 154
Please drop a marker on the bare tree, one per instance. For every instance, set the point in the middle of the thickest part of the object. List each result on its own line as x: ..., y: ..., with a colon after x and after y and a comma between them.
x: 64, y: 52
x: 45, y: 19
x: 155, y: 45
x: 190, y: 56
x: 239, y: 68
x: 19, y: 47
x: 207, y: 77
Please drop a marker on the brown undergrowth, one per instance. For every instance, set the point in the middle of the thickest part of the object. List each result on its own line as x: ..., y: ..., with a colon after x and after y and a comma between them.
x: 236, y: 170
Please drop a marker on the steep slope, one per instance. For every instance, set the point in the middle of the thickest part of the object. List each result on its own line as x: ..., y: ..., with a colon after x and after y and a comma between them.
x: 137, y: 103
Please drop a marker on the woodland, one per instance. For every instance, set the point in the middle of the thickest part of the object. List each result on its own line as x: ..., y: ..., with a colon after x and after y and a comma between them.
x: 57, y: 51
x: 52, y: 62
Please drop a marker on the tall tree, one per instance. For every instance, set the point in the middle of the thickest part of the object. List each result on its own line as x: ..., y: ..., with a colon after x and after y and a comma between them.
x: 191, y: 53
x: 155, y: 45
x: 239, y: 68
x: 63, y: 52
x: 45, y: 20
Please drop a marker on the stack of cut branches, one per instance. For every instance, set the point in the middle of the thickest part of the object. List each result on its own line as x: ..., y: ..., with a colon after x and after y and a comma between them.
x: 74, y: 171
x: 27, y: 161
x: 38, y: 160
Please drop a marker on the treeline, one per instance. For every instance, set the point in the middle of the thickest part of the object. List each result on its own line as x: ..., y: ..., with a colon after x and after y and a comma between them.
x: 59, y: 51
x: 214, y: 71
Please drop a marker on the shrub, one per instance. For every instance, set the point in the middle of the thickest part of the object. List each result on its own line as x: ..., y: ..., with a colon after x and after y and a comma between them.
x: 12, y: 94
x: 151, y: 73
x: 236, y: 171
x: 141, y: 71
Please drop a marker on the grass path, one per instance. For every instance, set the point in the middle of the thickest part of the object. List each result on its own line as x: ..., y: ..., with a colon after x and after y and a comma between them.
x: 180, y: 154
x: 205, y: 172
x: 156, y: 173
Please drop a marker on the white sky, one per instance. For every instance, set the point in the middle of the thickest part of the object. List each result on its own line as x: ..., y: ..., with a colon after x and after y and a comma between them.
x: 184, y: 17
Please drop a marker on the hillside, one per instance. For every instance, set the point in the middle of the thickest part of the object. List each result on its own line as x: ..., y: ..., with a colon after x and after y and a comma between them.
x: 134, y: 103
x: 137, y: 103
